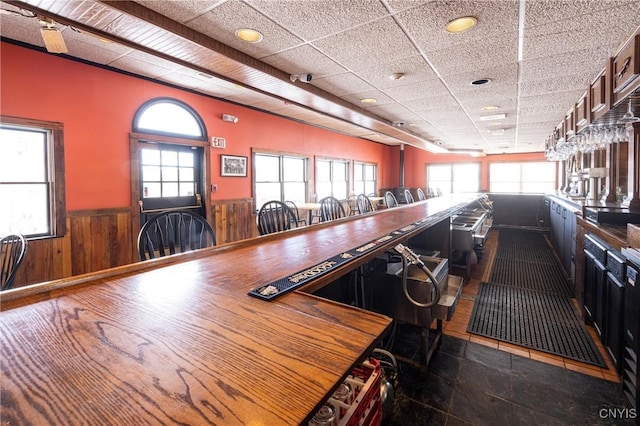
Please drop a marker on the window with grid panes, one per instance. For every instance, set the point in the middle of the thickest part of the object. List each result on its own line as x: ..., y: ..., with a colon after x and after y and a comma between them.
x: 332, y: 178
x: 31, y: 178
x: 279, y: 177
x: 365, y: 178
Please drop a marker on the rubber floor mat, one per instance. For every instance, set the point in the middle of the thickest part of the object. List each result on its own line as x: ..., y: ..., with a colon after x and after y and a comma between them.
x: 538, y: 320
x: 519, y: 237
x: 531, y: 276
x: 524, y: 259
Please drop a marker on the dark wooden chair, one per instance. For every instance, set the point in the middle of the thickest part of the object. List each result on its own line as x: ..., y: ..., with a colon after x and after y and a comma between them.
x: 174, y: 232
x: 12, y: 250
x: 294, y: 208
x: 421, y: 196
x: 390, y: 199
x: 408, y: 197
x: 275, y: 216
x: 331, y: 209
x: 364, y: 204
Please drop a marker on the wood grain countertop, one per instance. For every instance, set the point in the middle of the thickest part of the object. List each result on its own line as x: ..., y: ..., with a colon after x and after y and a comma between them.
x: 178, y: 340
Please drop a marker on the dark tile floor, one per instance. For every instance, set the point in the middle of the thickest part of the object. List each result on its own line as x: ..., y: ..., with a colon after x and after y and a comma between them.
x: 470, y: 383
x: 480, y: 381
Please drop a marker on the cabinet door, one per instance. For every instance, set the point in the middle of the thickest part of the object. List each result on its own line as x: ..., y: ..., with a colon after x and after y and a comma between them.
x: 615, y: 320
x: 569, y: 247
x: 600, y: 301
x: 589, y: 287
x: 557, y: 229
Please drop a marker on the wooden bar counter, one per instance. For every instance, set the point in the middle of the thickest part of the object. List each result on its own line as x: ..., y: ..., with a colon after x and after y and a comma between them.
x: 178, y: 340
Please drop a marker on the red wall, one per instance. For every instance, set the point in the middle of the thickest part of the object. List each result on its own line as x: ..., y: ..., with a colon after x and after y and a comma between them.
x: 97, y: 107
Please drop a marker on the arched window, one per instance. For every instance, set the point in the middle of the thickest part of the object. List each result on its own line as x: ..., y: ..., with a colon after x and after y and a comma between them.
x: 169, y: 117
x: 169, y: 160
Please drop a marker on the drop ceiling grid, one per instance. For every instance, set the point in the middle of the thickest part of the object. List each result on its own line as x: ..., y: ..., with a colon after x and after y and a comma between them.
x: 314, y: 20
x: 426, y: 23
x: 221, y: 23
x: 373, y: 43
x: 305, y: 59
x: 180, y: 11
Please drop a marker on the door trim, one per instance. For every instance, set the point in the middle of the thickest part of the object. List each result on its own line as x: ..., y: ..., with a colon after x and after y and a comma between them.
x: 134, y: 149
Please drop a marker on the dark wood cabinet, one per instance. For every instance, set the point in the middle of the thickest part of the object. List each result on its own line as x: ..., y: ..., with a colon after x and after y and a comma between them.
x: 563, y: 236
x: 615, y: 319
x: 581, y: 113
x: 589, y: 287
x: 595, y: 284
x: 626, y: 69
x: 599, y: 96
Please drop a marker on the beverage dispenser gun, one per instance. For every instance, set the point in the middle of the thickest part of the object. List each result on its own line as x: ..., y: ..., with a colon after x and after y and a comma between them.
x: 410, y: 257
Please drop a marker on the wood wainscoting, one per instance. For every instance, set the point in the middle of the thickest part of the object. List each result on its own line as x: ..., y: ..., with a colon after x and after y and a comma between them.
x: 105, y: 238
x: 95, y: 240
x: 234, y: 220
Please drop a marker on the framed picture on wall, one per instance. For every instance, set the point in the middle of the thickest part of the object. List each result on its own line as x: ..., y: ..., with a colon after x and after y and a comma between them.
x: 233, y: 165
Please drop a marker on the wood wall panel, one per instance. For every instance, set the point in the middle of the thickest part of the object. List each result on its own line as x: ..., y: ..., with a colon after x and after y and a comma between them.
x: 234, y: 220
x: 103, y: 238
x: 100, y: 239
x: 46, y: 259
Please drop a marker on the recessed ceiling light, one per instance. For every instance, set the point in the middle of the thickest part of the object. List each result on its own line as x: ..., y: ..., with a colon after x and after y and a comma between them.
x: 368, y: 101
x: 493, y: 117
x: 481, y: 81
x: 489, y: 108
x: 461, y: 24
x: 397, y: 76
x: 249, y: 35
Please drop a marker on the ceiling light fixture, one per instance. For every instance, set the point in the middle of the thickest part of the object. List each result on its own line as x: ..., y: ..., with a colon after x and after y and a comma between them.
x: 397, y: 76
x: 481, y: 81
x: 493, y: 117
x: 461, y: 24
x: 249, y: 35
x: 490, y: 108
x: 472, y: 152
x: 368, y: 101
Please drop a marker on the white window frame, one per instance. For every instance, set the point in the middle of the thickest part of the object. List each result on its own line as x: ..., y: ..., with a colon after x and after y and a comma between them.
x: 362, y: 179
x: 281, y: 156
x: 332, y: 178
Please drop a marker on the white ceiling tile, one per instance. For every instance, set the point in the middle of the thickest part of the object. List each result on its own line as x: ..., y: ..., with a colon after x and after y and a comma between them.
x: 476, y: 56
x: 222, y: 22
x: 304, y: 60
x: 420, y: 90
x: 311, y: 20
x: 343, y: 84
x: 377, y: 42
x: 180, y: 10
x: 604, y: 29
x: 414, y: 68
x: 426, y: 22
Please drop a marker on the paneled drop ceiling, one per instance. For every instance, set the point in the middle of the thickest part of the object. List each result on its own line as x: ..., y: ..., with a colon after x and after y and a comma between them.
x: 540, y: 56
